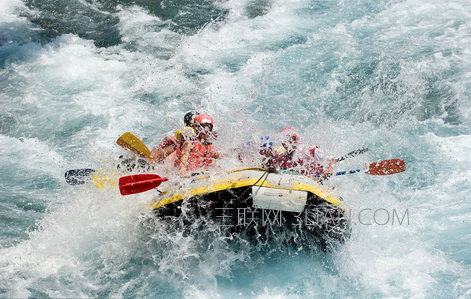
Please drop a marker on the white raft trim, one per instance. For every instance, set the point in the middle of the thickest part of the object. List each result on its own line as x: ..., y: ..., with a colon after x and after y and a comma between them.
x: 279, y: 199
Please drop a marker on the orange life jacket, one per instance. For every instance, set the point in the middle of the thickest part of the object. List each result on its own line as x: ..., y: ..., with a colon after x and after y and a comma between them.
x: 167, y: 142
x: 201, y: 156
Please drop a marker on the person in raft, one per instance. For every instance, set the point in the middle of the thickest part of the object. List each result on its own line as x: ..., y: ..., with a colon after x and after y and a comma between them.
x: 165, y: 150
x: 266, y: 151
x: 195, y: 154
x: 291, y: 156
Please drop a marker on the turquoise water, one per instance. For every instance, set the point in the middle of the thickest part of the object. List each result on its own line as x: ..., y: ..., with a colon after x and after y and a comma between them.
x: 394, y: 76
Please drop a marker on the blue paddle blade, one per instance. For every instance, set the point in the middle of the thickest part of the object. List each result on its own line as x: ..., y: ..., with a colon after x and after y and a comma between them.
x: 78, y: 176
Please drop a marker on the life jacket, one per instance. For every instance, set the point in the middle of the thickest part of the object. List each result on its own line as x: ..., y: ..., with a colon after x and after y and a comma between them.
x: 167, y: 142
x: 176, y: 138
x: 298, y: 161
x: 201, y: 156
x: 312, y: 166
x: 283, y: 160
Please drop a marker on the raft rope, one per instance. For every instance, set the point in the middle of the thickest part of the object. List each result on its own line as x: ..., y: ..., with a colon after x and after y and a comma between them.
x: 267, y: 172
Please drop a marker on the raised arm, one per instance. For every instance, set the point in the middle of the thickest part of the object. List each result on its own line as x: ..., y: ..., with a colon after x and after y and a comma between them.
x: 185, y: 150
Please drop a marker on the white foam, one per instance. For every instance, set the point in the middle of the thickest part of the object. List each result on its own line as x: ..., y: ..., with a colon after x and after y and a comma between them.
x: 239, y: 69
x: 9, y: 10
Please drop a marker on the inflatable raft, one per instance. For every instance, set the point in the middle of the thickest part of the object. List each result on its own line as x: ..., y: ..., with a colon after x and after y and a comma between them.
x: 257, y: 202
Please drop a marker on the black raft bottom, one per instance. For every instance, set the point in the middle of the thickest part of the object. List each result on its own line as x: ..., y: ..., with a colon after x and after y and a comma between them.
x: 232, y: 211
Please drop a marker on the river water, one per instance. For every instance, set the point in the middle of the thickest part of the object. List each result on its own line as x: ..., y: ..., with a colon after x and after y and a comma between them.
x: 393, y: 76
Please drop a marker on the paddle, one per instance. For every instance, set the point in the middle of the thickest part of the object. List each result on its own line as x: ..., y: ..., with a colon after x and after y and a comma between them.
x: 99, y: 178
x: 77, y: 176
x: 132, y: 143
x: 128, y: 140
x: 138, y: 183
x: 384, y: 167
x: 353, y: 154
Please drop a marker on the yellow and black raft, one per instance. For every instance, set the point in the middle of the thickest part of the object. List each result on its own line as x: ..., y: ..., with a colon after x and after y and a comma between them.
x: 258, y: 202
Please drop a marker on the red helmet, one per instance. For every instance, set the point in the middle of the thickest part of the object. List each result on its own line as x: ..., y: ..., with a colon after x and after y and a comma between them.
x: 204, y: 119
x: 290, y: 133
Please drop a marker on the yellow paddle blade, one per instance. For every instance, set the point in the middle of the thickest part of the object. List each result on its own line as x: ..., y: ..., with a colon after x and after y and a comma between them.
x: 132, y: 143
